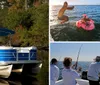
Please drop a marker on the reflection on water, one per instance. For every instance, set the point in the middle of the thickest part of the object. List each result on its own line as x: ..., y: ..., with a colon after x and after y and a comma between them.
x: 18, y: 79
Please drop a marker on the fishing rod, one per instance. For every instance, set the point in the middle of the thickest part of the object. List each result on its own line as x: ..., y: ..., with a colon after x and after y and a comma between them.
x: 78, y: 57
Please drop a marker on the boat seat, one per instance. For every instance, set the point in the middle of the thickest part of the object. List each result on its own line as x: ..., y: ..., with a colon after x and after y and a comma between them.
x: 79, y: 82
x: 24, y: 49
x: 82, y: 82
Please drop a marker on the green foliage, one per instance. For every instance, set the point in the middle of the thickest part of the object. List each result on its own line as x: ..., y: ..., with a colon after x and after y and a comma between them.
x: 31, y: 28
x: 23, y: 37
x: 40, y: 26
x: 43, y: 76
x: 11, y: 20
x: 34, y: 20
x: 18, y: 4
x: 16, y: 18
x: 3, y: 13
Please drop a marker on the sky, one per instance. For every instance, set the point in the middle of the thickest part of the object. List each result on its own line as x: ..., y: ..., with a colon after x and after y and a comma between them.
x: 87, y: 53
x: 75, y: 2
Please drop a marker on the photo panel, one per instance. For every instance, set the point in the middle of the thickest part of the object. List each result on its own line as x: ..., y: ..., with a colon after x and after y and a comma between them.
x: 74, y: 63
x: 72, y: 20
x: 24, y: 43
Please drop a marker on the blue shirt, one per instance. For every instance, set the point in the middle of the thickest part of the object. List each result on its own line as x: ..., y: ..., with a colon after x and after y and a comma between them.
x: 93, y: 71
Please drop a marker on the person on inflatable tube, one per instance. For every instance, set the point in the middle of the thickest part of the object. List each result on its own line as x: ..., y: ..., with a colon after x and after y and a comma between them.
x: 85, y: 23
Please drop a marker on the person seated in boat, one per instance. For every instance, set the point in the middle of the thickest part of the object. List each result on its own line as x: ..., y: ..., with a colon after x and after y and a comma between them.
x: 93, y: 72
x: 61, y: 15
x: 68, y: 74
x: 54, y: 71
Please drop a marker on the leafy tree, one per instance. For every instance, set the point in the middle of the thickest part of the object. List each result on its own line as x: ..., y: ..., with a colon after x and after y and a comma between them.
x: 39, y: 30
x: 17, y: 18
x: 16, y: 4
x: 39, y: 37
x: 43, y: 76
x: 3, y: 13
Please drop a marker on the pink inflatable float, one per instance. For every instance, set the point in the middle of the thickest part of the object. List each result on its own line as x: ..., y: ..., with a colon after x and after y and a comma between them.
x: 86, y: 25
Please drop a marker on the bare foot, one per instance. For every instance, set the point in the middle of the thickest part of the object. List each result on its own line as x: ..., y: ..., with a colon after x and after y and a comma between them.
x: 61, y: 22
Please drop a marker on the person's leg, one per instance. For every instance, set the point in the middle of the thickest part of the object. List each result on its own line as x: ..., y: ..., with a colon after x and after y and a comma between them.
x: 64, y: 19
x: 93, y: 82
x: 97, y: 83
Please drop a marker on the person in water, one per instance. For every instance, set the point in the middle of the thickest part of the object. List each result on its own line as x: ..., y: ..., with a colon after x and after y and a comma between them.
x: 94, y: 71
x: 68, y: 74
x: 85, y: 23
x: 54, y: 71
x: 85, y: 19
x: 61, y: 15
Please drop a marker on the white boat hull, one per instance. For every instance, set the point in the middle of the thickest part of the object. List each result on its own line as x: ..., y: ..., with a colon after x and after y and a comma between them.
x: 5, y: 70
x: 79, y: 82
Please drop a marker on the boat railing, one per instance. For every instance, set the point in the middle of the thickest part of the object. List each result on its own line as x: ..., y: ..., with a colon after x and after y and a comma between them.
x: 18, y: 54
x: 79, y: 82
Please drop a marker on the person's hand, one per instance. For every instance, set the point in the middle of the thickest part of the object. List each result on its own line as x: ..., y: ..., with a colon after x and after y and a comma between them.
x: 74, y: 65
x: 79, y: 69
x: 72, y: 7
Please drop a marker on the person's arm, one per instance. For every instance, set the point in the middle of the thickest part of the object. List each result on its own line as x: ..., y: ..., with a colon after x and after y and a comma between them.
x: 57, y: 73
x: 74, y: 66
x: 76, y: 74
x: 79, y: 69
x: 70, y: 8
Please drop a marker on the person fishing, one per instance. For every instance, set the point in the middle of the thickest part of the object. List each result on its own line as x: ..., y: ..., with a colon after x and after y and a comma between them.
x: 54, y: 71
x: 93, y: 72
x: 61, y: 15
x: 68, y: 74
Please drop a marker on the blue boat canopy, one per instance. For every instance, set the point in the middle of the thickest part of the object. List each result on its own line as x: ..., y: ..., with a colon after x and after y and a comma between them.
x: 6, y: 32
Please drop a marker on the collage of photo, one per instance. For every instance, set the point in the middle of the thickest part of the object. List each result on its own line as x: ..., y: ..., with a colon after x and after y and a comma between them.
x: 50, y: 42
x: 74, y: 54
x: 24, y: 44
